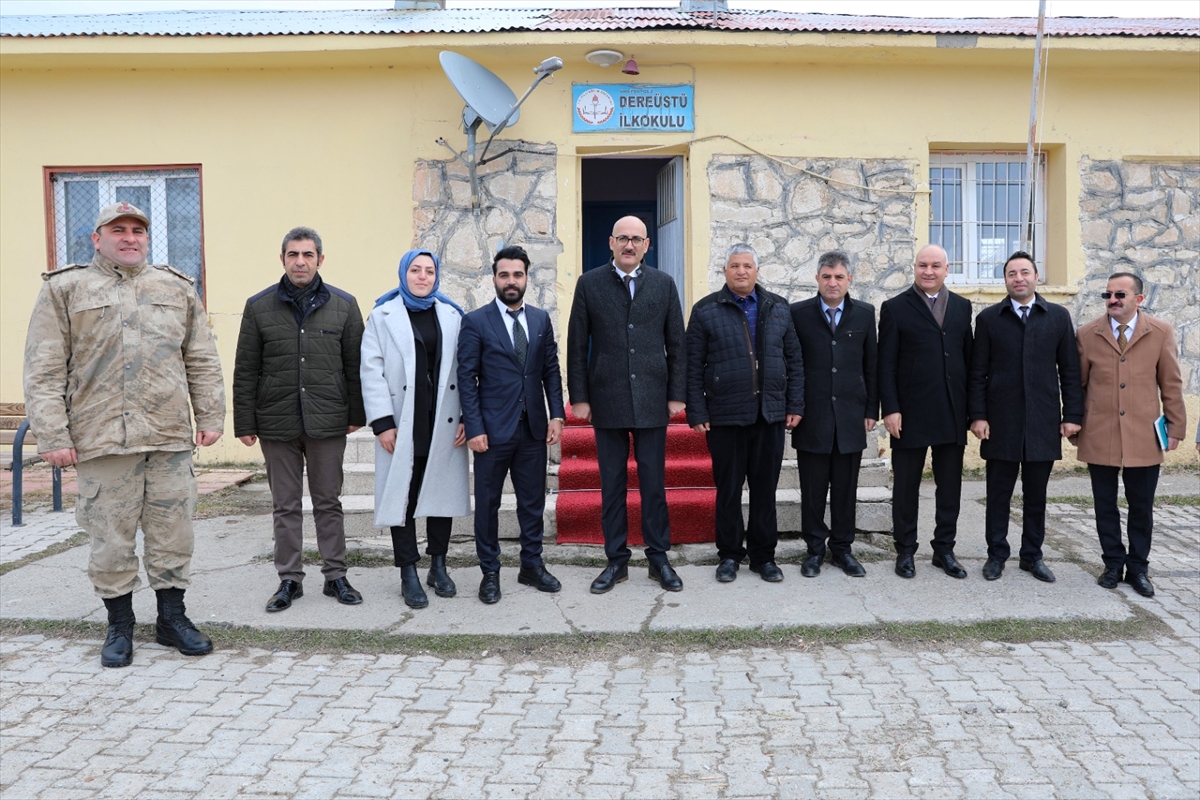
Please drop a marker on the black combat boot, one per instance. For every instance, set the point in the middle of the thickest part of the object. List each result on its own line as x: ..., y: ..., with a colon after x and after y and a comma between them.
x: 174, y: 629
x: 118, y: 645
x: 439, y: 579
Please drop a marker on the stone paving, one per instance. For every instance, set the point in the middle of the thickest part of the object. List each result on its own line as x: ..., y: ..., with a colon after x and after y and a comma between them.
x: 872, y: 719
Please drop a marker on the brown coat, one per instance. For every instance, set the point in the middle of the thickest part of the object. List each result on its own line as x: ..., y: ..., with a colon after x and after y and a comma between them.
x: 1122, y: 392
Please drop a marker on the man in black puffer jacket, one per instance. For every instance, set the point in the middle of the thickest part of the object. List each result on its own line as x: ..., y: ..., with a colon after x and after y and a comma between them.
x: 745, y: 385
x: 296, y: 390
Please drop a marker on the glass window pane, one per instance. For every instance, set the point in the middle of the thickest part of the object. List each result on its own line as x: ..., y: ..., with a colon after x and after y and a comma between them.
x: 183, y: 226
x: 137, y: 195
x: 82, y: 199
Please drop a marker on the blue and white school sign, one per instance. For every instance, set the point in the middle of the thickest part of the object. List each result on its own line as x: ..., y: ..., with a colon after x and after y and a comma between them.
x: 610, y: 107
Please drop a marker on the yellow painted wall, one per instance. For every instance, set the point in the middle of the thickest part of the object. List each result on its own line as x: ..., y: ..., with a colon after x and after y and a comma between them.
x: 325, y: 131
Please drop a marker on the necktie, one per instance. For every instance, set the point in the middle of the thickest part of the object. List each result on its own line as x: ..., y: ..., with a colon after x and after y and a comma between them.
x: 932, y: 300
x: 520, y: 341
x: 1024, y: 314
x: 629, y: 285
x: 832, y: 312
x: 1122, y: 339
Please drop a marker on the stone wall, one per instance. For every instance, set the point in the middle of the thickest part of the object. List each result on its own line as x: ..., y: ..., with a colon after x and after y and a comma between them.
x: 1144, y: 217
x: 518, y: 195
x: 792, y: 217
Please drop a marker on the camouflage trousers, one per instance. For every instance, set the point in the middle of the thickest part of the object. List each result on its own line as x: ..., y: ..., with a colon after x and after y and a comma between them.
x: 117, y: 493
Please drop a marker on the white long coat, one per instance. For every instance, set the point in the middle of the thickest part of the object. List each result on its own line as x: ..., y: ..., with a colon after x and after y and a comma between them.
x: 388, y: 368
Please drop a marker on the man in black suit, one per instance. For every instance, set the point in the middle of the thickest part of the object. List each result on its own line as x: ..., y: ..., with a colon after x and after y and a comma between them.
x: 924, y: 353
x: 507, y: 373
x: 1024, y: 352
x: 841, y: 399
x: 626, y: 374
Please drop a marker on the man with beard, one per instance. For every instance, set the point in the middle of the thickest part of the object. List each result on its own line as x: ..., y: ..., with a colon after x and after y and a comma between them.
x: 507, y: 373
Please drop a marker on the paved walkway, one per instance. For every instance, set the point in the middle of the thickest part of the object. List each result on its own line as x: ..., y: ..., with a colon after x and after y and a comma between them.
x: 870, y: 719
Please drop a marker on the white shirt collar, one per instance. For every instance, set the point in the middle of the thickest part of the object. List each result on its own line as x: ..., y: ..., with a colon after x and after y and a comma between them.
x: 1132, y: 325
x: 841, y: 307
x: 637, y: 271
x: 505, y: 309
x: 1017, y: 306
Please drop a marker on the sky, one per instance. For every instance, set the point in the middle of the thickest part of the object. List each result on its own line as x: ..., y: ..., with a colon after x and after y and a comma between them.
x: 910, y: 8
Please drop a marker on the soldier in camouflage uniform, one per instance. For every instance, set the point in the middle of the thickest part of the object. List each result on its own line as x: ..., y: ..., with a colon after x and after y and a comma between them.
x: 115, y: 351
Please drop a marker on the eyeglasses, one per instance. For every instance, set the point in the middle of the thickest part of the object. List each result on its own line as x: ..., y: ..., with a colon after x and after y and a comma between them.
x: 1110, y: 295
x: 636, y: 241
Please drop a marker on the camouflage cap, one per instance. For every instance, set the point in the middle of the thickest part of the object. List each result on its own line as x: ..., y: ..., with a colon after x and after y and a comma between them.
x: 118, y: 210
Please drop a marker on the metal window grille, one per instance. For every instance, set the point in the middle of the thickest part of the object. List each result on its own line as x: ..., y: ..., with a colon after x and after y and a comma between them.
x: 975, y: 214
x: 170, y: 197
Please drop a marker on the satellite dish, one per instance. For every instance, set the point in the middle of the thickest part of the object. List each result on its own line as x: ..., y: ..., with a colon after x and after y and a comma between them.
x: 483, y: 92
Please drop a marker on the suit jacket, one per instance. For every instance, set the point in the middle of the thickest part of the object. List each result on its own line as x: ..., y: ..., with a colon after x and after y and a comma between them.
x: 1017, y: 372
x: 494, y: 387
x: 841, y: 386
x: 1122, y: 392
x: 626, y: 356
x: 923, y: 368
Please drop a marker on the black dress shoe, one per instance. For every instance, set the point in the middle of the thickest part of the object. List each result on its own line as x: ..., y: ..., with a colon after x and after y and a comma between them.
x: 1109, y: 578
x: 769, y: 571
x: 410, y: 588
x: 904, y: 565
x: 811, y: 566
x: 666, y: 577
x: 848, y: 563
x: 1140, y: 582
x: 439, y: 579
x: 727, y: 570
x: 1039, y: 570
x: 346, y: 594
x: 538, y: 578
x: 993, y: 569
x: 947, y: 562
x: 489, y: 588
x: 284, y: 595
x: 610, y: 577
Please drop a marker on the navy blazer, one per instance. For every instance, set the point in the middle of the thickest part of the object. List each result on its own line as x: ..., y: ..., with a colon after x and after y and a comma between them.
x: 493, y: 387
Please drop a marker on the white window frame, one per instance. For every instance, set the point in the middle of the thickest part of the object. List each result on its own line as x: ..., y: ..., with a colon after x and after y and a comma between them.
x: 969, y: 270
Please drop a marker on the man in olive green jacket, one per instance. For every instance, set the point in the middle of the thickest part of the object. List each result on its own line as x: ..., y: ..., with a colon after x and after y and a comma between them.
x: 296, y: 390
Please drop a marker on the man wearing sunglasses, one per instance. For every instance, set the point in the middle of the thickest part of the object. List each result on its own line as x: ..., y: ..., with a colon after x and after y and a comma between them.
x: 1129, y: 367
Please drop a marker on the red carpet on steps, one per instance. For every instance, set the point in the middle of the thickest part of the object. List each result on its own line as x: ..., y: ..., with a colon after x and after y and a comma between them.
x: 690, y: 492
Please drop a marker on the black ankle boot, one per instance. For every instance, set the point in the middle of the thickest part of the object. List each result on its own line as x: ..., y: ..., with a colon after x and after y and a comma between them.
x: 174, y: 629
x: 118, y: 645
x: 410, y: 587
x: 439, y: 579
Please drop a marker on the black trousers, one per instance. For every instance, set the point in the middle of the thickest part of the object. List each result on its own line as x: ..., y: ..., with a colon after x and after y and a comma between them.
x: 650, y: 452
x: 524, y: 457
x: 746, y: 454
x: 1140, y: 486
x: 437, y: 529
x: 1001, y: 478
x: 836, y: 475
x: 907, y: 465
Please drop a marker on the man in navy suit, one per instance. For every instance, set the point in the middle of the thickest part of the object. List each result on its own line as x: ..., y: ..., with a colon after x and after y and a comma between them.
x: 507, y: 372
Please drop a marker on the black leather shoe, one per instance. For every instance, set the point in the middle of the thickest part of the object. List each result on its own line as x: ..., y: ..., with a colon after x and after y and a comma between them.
x: 610, y: 577
x: 118, y: 644
x: 993, y: 569
x: 666, y: 577
x: 489, y: 588
x: 1140, y: 582
x: 848, y: 563
x: 439, y: 579
x: 904, y: 566
x: 769, y: 571
x: 284, y: 595
x: 538, y: 578
x: 174, y: 629
x: 727, y: 570
x: 1039, y: 570
x: 947, y: 562
x: 410, y: 588
x: 346, y: 594
x: 1109, y: 578
x: 811, y: 566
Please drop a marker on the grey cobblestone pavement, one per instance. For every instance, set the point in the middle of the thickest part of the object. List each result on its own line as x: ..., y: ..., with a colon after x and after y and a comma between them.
x: 1069, y: 719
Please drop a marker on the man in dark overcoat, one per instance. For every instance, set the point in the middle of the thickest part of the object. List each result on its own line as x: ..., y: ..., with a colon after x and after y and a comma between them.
x: 924, y: 354
x: 626, y: 374
x: 1024, y: 355
x: 841, y: 399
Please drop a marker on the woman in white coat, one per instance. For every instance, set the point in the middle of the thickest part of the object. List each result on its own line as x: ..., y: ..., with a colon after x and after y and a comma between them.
x: 409, y: 370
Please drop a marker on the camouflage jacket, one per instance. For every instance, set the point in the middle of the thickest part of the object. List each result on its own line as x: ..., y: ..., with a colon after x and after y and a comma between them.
x: 112, y: 357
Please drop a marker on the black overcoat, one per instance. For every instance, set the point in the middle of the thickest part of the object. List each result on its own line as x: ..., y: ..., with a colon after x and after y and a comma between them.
x: 841, y: 387
x: 1017, y: 373
x: 923, y: 368
x: 626, y: 356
